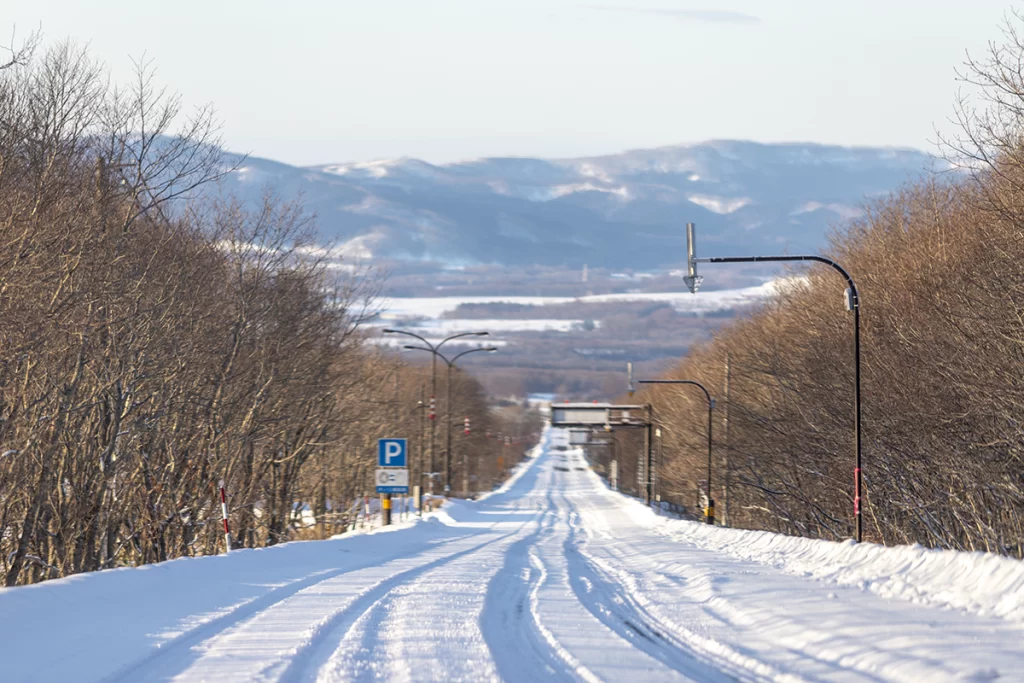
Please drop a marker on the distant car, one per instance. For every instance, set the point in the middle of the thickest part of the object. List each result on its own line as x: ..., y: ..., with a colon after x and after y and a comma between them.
x: 561, y: 448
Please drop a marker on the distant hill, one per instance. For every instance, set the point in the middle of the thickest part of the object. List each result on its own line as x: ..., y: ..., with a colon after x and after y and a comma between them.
x: 619, y: 211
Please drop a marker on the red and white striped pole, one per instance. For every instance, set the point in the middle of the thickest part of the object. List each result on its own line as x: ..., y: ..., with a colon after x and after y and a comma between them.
x: 224, y: 512
x: 466, y: 426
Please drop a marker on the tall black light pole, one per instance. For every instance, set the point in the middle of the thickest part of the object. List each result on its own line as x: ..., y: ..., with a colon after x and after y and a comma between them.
x: 448, y: 404
x: 433, y: 384
x: 709, y: 512
x: 852, y: 304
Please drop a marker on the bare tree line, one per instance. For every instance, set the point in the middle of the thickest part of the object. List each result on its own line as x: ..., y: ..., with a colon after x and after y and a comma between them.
x: 940, y: 268
x: 157, y: 338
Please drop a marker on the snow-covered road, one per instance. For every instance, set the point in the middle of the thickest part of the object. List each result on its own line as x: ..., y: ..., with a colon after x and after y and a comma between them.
x: 552, y: 578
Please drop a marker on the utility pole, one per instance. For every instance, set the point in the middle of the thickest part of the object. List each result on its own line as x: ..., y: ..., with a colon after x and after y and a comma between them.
x: 416, y: 486
x: 658, y: 460
x: 465, y: 464
x: 448, y: 431
x: 433, y: 419
x: 728, y: 463
x: 648, y: 453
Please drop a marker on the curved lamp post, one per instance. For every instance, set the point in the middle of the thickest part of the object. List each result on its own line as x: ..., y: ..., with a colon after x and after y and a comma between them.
x: 433, y: 382
x: 448, y: 401
x: 709, y: 511
x: 852, y: 304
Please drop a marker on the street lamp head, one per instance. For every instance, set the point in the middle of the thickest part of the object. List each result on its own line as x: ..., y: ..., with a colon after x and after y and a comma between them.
x: 482, y: 334
x: 491, y: 349
x: 692, y: 280
x: 388, y: 330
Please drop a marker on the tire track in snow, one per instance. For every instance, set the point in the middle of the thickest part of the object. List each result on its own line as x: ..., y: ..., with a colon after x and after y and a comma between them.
x: 507, y: 622
x: 549, y: 621
x: 308, y: 662
x: 360, y: 644
x: 611, y: 602
x: 611, y: 605
x: 634, y: 598
x: 160, y: 659
x: 424, y: 629
x: 222, y: 640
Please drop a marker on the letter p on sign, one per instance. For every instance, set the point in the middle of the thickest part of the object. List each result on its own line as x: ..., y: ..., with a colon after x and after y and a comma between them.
x: 391, y: 453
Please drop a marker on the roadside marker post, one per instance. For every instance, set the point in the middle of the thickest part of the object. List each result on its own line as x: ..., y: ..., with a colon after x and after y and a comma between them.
x: 224, y: 513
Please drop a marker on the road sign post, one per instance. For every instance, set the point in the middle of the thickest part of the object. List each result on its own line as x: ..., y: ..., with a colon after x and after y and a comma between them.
x: 392, y: 475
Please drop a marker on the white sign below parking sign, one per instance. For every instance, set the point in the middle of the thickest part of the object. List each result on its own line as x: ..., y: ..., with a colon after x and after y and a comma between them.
x: 392, y: 481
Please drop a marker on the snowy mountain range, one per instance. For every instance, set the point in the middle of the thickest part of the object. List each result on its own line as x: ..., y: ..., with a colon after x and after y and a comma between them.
x: 620, y: 211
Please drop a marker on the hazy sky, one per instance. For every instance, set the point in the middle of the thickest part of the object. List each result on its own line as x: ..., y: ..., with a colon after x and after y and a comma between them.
x: 309, y: 82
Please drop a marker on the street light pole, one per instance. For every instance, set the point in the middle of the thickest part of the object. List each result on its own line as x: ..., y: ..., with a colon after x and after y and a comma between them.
x: 433, y: 384
x: 852, y: 304
x: 447, y: 427
x: 448, y: 402
x: 709, y: 512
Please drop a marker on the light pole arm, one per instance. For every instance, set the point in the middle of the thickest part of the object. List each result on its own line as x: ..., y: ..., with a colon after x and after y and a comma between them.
x: 700, y: 386
x: 489, y: 349
x: 423, y: 348
x: 459, y: 336
x: 411, y: 334
x: 782, y: 259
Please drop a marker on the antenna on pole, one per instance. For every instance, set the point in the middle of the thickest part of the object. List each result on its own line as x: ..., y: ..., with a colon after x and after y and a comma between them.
x: 692, y: 280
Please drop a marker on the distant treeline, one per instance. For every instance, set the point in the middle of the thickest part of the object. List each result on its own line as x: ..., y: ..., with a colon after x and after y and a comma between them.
x: 940, y: 269
x: 156, y: 338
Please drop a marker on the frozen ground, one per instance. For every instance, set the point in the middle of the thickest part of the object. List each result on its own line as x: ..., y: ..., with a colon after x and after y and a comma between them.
x: 552, y: 578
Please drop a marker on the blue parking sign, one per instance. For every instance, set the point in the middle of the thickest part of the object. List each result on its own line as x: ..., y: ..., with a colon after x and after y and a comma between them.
x: 391, y: 453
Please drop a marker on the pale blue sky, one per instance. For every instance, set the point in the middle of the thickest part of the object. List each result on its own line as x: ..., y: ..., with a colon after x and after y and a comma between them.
x: 313, y: 82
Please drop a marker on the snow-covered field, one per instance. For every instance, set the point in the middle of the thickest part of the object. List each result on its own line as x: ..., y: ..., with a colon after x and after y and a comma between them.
x: 424, y: 315
x: 705, y: 302
x: 553, y: 577
x: 444, y: 327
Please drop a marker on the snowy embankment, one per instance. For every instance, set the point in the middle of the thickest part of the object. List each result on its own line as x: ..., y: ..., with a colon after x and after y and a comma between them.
x: 980, y: 583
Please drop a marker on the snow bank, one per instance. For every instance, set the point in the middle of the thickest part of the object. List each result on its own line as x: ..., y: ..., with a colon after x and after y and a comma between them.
x: 980, y: 583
